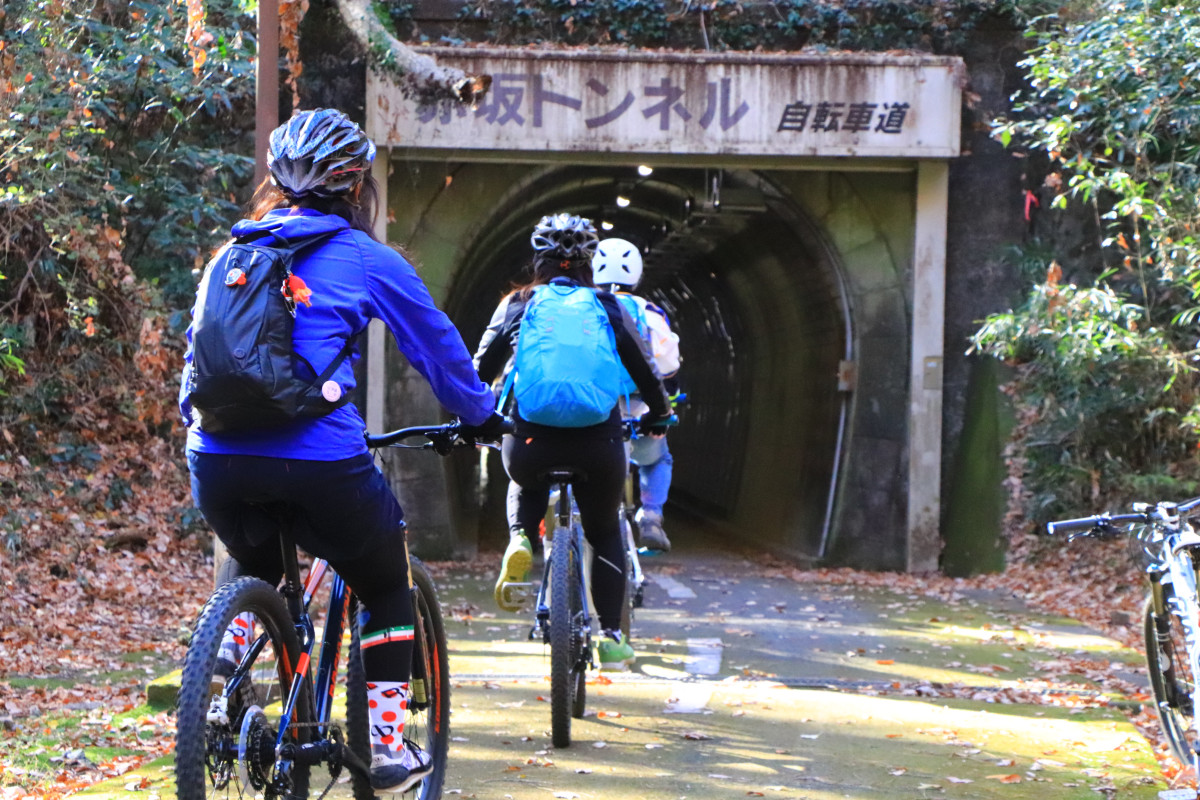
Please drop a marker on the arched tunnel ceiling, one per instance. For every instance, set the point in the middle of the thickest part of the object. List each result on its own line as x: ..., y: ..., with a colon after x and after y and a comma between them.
x: 677, y: 216
x: 760, y: 321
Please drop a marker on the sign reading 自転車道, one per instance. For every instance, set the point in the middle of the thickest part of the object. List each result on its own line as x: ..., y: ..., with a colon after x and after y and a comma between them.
x: 735, y: 104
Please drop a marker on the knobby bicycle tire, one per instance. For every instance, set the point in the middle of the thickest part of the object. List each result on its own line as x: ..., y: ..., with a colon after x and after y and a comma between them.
x: 580, y: 636
x: 563, y: 588
x: 207, y: 762
x: 627, y: 607
x: 428, y: 720
x: 1170, y: 676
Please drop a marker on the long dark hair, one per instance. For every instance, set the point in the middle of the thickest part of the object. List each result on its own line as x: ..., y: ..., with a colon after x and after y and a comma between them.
x: 547, y: 267
x: 359, y: 212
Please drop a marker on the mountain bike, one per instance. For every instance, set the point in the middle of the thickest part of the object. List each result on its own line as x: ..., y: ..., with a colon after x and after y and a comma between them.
x: 258, y: 727
x: 635, y: 579
x: 1170, y: 618
x: 563, y: 616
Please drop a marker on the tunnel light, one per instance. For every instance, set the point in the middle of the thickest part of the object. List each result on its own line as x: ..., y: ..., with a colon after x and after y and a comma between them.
x: 645, y: 170
x: 608, y: 226
x: 622, y: 201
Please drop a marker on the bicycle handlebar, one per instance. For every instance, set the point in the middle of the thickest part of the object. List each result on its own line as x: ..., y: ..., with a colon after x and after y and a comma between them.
x: 1108, y: 521
x: 1091, y: 523
x: 631, y: 425
x: 441, y: 439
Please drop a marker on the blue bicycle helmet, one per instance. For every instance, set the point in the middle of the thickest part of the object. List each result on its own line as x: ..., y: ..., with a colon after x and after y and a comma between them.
x: 565, y: 236
x: 319, y: 152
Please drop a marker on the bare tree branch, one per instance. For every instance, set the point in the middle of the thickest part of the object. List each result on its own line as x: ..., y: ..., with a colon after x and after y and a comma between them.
x: 418, y: 74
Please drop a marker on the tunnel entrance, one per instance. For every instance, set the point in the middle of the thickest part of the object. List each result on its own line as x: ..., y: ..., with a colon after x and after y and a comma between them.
x: 792, y: 214
x: 753, y: 293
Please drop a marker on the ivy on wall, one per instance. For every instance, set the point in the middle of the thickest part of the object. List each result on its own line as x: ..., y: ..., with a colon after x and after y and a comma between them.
x: 937, y: 26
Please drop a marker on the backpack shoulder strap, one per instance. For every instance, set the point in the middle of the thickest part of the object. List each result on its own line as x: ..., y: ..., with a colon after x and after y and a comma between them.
x: 287, y: 247
x: 320, y: 380
x: 657, y: 310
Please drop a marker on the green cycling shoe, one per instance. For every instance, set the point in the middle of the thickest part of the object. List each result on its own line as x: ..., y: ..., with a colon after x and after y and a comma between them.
x: 614, y: 652
x: 518, y: 558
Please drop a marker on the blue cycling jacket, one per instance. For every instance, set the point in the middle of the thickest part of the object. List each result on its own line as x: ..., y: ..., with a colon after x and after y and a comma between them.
x: 353, y: 279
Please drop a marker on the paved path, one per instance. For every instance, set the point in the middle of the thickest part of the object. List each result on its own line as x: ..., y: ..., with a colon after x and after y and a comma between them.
x: 751, y: 683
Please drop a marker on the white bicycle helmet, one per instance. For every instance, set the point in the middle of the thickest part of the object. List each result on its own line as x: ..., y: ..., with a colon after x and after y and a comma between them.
x: 319, y: 152
x: 617, y: 261
x: 565, y: 236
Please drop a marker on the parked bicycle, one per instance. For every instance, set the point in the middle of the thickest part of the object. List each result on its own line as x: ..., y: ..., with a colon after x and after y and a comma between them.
x: 258, y: 729
x: 1171, y: 623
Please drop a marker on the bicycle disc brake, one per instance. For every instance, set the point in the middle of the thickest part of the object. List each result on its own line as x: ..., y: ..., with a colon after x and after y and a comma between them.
x: 255, y: 749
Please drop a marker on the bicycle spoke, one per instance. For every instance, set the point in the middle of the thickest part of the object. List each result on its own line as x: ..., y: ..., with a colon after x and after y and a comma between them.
x: 229, y: 714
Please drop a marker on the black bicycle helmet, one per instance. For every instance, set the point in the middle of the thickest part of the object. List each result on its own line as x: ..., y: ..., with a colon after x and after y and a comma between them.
x: 319, y: 152
x: 565, y: 236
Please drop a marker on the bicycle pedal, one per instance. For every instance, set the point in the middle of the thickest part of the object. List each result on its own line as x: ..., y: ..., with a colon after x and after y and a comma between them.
x: 516, y: 594
x: 218, y: 710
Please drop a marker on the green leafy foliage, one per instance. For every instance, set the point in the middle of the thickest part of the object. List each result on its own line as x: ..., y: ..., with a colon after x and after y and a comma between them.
x: 123, y: 151
x: 1106, y: 368
x: 927, y: 25
x: 1101, y: 396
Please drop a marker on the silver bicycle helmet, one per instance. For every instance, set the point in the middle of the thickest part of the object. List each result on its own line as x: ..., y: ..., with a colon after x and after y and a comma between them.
x: 617, y: 261
x: 565, y: 236
x: 319, y: 152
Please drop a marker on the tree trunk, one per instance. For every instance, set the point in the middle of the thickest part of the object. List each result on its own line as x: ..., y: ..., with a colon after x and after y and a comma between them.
x: 419, y: 75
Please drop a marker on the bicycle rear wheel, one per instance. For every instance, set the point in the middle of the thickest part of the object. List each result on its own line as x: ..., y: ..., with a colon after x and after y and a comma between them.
x: 565, y: 614
x: 1171, y: 677
x: 633, y: 591
x: 225, y: 737
x: 428, y: 720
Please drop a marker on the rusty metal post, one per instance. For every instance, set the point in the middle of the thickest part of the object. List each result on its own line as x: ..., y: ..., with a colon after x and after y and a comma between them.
x: 266, y: 84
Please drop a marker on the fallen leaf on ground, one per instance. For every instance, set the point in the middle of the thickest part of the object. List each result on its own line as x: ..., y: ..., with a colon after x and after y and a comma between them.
x: 1005, y: 778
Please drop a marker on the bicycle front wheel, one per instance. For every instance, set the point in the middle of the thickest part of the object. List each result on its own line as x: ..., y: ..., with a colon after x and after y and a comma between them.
x: 427, y: 723
x: 1171, y: 677
x: 632, y: 589
x: 564, y: 582
x: 228, y: 719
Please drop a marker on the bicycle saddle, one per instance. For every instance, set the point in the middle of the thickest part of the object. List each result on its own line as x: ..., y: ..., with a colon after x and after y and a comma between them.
x: 563, y: 475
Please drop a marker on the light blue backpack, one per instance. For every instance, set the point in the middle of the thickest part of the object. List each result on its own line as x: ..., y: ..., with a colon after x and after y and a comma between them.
x: 567, y: 372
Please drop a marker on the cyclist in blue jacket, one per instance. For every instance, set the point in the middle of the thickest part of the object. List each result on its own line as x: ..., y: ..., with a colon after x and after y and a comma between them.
x: 318, y: 471
x: 563, y: 248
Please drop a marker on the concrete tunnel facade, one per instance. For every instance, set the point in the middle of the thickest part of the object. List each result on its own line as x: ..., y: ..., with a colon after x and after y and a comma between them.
x: 791, y: 282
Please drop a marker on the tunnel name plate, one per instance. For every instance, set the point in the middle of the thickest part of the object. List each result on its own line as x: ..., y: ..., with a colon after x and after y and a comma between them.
x: 872, y: 105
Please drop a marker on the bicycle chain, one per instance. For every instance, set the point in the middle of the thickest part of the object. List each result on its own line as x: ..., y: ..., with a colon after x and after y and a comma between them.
x: 344, y: 754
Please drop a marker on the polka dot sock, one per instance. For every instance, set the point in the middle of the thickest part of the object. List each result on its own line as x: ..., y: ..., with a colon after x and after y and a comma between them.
x: 237, y: 637
x: 387, y: 703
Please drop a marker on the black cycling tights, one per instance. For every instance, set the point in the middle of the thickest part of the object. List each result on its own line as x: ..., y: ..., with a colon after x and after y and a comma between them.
x: 598, y: 496
x: 342, y: 511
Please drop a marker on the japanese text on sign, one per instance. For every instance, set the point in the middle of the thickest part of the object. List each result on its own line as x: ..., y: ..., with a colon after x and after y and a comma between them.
x: 513, y: 94
x: 851, y: 117
x: 519, y: 99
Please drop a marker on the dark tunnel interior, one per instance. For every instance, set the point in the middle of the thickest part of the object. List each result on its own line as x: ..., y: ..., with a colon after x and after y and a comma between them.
x: 752, y: 289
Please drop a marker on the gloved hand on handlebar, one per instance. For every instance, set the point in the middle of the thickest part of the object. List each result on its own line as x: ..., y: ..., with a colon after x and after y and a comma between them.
x: 489, y: 430
x: 651, y: 423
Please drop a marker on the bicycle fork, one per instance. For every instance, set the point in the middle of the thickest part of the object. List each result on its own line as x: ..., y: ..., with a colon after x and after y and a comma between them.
x: 1183, y: 602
